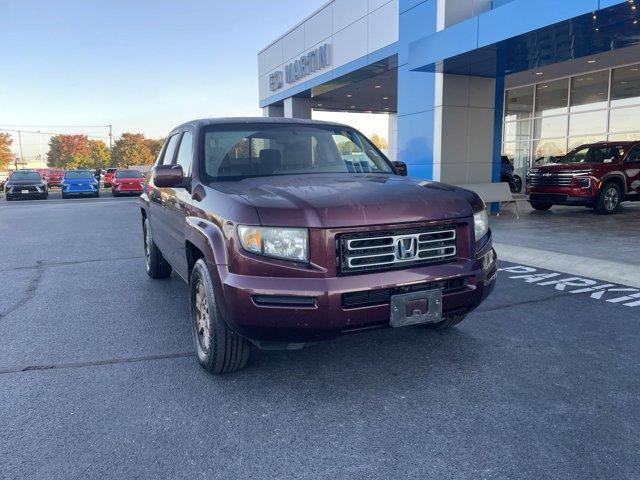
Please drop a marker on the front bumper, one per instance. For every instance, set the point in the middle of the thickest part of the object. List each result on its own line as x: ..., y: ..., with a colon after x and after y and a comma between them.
x: 300, y: 310
x: 74, y: 190
x: 16, y: 193
x: 126, y: 189
x: 556, y: 195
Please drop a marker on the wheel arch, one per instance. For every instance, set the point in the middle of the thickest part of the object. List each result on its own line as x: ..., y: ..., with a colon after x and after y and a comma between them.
x: 618, y: 179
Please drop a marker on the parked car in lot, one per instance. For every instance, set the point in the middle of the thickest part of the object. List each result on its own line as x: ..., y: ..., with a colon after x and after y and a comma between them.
x: 79, y: 183
x: 25, y: 184
x: 283, y: 243
x: 127, y: 182
x: 108, y: 177
x: 54, y: 177
x: 598, y: 175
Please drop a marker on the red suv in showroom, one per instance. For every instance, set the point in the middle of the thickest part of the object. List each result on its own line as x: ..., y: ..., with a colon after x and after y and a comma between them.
x: 598, y: 175
x: 292, y: 231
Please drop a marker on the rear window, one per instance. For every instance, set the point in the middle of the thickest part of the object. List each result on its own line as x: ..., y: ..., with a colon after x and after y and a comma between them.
x: 79, y: 174
x: 128, y: 174
x: 25, y: 176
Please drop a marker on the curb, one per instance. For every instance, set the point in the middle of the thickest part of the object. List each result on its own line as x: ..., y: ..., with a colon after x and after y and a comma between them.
x: 612, y: 272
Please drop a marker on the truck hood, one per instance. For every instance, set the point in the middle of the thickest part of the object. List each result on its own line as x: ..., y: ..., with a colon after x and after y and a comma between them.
x: 344, y: 200
x: 26, y: 183
x: 563, y: 167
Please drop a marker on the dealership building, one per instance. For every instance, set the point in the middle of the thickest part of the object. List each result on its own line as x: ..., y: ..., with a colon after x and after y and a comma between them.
x: 465, y: 81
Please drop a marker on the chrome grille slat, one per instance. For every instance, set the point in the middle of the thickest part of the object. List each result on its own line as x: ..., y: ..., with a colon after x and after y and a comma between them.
x: 560, y: 179
x: 371, y: 252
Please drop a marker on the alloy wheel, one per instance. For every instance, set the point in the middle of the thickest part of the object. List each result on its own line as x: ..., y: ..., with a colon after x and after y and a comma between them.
x: 202, y: 318
x: 611, y: 199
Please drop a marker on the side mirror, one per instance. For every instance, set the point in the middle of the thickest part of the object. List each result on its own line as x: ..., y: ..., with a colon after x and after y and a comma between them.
x: 168, y: 176
x: 401, y: 168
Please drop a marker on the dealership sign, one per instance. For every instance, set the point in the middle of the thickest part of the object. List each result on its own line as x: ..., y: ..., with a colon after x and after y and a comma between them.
x: 302, y: 67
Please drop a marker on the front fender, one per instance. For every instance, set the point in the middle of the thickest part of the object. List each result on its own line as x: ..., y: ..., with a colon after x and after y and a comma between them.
x: 208, y: 238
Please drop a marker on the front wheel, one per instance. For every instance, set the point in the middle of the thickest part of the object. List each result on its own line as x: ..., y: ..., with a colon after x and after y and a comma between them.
x: 541, y: 206
x: 157, y: 265
x: 609, y: 199
x: 219, y: 349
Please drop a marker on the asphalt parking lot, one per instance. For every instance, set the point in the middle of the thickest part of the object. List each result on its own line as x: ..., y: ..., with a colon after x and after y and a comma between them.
x: 98, y: 377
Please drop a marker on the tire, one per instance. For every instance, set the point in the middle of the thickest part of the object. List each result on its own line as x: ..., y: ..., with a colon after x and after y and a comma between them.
x: 114, y: 193
x: 516, y: 184
x: 609, y: 199
x: 541, y: 206
x: 448, y: 322
x: 97, y: 195
x: 9, y: 199
x: 157, y: 266
x: 219, y: 349
x: 63, y: 195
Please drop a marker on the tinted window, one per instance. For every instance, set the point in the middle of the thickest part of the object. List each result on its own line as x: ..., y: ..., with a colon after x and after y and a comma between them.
x: 625, y: 86
x: 169, y: 150
x: 128, y: 174
x: 184, y: 153
x: 551, y: 98
x: 25, y: 176
x: 590, y: 91
x: 595, y: 154
x: 261, y: 150
x: 634, y: 154
x: 111, y: 170
x: 79, y: 174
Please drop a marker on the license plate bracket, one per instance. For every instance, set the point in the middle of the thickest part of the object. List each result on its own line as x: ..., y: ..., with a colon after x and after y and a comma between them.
x: 416, y: 308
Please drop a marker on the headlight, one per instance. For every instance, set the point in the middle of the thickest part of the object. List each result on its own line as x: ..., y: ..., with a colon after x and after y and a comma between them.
x: 285, y: 243
x: 480, y: 224
x: 583, y: 181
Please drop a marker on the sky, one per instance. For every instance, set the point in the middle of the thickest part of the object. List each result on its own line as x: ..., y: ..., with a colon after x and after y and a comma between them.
x: 140, y: 65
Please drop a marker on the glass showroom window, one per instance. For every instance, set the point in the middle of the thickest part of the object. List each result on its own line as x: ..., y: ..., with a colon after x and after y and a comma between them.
x: 563, y: 114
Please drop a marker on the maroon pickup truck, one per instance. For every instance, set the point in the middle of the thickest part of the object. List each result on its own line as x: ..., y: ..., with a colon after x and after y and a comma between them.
x: 293, y: 231
x: 598, y: 175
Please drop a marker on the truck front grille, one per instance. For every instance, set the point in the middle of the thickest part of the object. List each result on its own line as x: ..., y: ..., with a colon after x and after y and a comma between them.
x: 375, y: 251
x: 539, y: 178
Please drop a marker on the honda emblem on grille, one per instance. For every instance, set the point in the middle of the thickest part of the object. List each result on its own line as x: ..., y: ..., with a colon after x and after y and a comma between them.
x: 407, y: 248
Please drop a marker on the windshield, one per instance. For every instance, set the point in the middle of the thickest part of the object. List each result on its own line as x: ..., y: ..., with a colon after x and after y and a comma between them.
x: 594, y: 154
x: 111, y: 170
x: 128, y: 174
x: 79, y: 174
x: 265, y: 150
x: 25, y: 176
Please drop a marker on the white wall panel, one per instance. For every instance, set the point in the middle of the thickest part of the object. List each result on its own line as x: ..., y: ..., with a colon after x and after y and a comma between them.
x: 345, y: 12
x: 319, y: 27
x: 383, y: 26
x: 375, y: 4
x: 270, y: 58
x: 293, y: 43
x: 350, y: 43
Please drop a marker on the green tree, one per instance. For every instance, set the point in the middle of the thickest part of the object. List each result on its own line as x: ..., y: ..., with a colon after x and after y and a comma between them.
x: 131, y: 149
x: 100, y: 154
x: 6, y: 157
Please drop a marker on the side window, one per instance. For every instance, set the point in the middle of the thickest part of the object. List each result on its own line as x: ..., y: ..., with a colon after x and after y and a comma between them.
x: 634, y: 154
x: 185, y: 153
x: 169, y: 150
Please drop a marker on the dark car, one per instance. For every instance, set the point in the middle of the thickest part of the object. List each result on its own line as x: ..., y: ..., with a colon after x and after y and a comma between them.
x: 127, y: 182
x: 292, y: 231
x: 77, y: 183
x: 26, y: 184
x: 597, y: 175
x: 507, y: 175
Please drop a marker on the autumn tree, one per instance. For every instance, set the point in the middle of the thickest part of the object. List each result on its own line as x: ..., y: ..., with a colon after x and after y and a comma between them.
x: 155, y: 145
x: 69, y: 151
x: 131, y: 149
x: 379, y: 142
x: 77, y: 151
x: 6, y: 157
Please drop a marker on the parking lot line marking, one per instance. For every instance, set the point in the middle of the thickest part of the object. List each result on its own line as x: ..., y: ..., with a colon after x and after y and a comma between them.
x: 96, y: 363
x: 603, y: 270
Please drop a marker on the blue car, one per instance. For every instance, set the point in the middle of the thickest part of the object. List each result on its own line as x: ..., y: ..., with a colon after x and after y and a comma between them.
x: 78, y: 183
